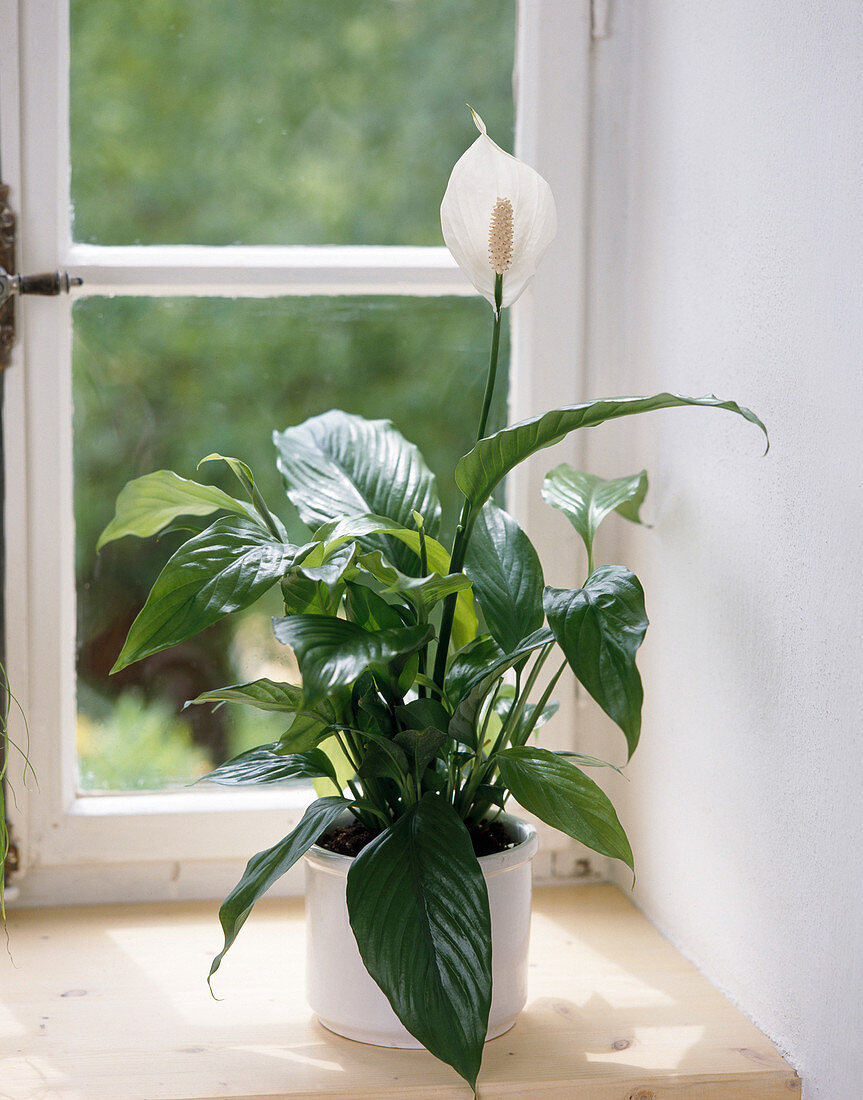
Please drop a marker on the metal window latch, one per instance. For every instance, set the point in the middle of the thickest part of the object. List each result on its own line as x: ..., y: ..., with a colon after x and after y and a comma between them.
x: 49, y: 283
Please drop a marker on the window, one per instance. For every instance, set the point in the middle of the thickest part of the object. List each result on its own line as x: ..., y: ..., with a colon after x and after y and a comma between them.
x: 240, y: 263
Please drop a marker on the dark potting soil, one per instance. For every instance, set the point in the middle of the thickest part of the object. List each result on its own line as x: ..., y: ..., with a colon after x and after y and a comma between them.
x: 487, y: 838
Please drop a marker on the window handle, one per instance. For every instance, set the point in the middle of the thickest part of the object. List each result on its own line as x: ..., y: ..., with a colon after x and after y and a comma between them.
x: 48, y: 284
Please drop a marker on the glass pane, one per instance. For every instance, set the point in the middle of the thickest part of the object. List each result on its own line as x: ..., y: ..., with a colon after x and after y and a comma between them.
x: 160, y: 383
x: 279, y: 121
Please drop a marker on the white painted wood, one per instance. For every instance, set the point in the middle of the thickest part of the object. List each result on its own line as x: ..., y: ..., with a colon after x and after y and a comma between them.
x: 60, y: 833
x: 549, y: 321
x: 264, y: 271
x: 16, y: 505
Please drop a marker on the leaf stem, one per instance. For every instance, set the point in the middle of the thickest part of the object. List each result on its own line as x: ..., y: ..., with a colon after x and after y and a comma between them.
x: 528, y: 728
x: 424, y: 568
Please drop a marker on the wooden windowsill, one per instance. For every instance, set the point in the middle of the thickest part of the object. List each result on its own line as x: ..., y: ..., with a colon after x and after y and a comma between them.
x: 111, y: 1003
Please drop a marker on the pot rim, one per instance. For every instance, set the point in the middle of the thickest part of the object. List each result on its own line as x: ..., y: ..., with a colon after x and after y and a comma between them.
x: 334, y: 862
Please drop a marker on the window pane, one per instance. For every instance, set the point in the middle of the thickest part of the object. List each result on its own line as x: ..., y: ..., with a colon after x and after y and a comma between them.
x: 160, y: 383
x: 279, y: 121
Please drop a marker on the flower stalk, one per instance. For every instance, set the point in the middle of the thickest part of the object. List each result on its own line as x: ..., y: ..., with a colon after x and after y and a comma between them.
x: 465, y: 523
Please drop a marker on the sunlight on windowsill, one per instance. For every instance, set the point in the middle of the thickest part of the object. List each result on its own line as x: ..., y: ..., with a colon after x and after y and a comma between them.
x: 111, y: 1003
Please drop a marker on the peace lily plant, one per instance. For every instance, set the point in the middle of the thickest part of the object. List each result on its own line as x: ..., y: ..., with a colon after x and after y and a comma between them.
x: 428, y: 670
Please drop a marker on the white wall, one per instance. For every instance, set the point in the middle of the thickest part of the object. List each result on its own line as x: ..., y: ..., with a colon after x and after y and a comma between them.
x: 727, y: 255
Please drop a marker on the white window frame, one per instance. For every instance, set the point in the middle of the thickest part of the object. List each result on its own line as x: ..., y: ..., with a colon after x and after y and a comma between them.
x: 102, y: 848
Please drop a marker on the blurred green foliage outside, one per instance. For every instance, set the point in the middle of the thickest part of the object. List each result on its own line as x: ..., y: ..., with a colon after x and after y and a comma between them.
x: 256, y: 122
x: 279, y: 121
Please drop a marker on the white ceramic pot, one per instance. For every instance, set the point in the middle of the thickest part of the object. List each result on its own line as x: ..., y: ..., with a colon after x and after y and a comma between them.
x: 340, y: 990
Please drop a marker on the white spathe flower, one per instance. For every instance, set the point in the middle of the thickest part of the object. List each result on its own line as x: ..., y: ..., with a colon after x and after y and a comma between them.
x: 497, y: 216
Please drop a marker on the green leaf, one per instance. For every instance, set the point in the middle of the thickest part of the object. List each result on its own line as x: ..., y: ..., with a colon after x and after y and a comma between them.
x: 421, y: 713
x: 492, y: 458
x: 383, y: 758
x: 564, y: 797
x: 462, y: 725
x: 360, y: 527
x: 332, y: 569
x: 148, y: 504
x: 334, y: 652
x: 306, y: 732
x: 338, y: 464
x: 366, y: 701
x: 266, y: 867
x: 423, y: 592
x: 470, y: 664
x: 586, y: 499
x: 263, y: 694
x: 266, y: 765
x: 507, y: 577
x: 316, y: 583
x: 422, y: 746
x: 599, y: 628
x: 246, y: 478
x: 224, y: 569
x: 418, y: 906
x: 588, y: 761
x: 368, y: 610
x: 304, y: 597
x: 395, y: 752
x: 343, y: 768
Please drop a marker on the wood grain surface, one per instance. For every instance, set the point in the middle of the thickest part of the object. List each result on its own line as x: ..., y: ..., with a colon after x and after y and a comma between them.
x: 111, y: 1003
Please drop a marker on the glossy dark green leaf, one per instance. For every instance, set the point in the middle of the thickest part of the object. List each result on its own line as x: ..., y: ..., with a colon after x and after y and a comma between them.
x: 304, y: 597
x: 462, y: 725
x: 421, y: 746
x: 586, y: 499
x: 469, y: 664
x: 151, y: 503
x: 423, y: 592
x: 266, y: 867
x: 224, y: 569
x: 307, y: 730
x: 317, y: 589
x: 434, y: 780
x: 507, y: 577
x: 367, y: 704
x: 334, y: 652
x: 564, y: 797
x: 333, y: 571
x: 369, y: 610
x: 491, y: 795
x: 599, y: 628
x: 421, y: 713
x: 492, y: 458
x: 377, y: 764
x: 266, y: 764
x: 338, y: 464
x: 395, y: 752
x: 419, y: 910
x: 361, y: 527
x: 264, y: 694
